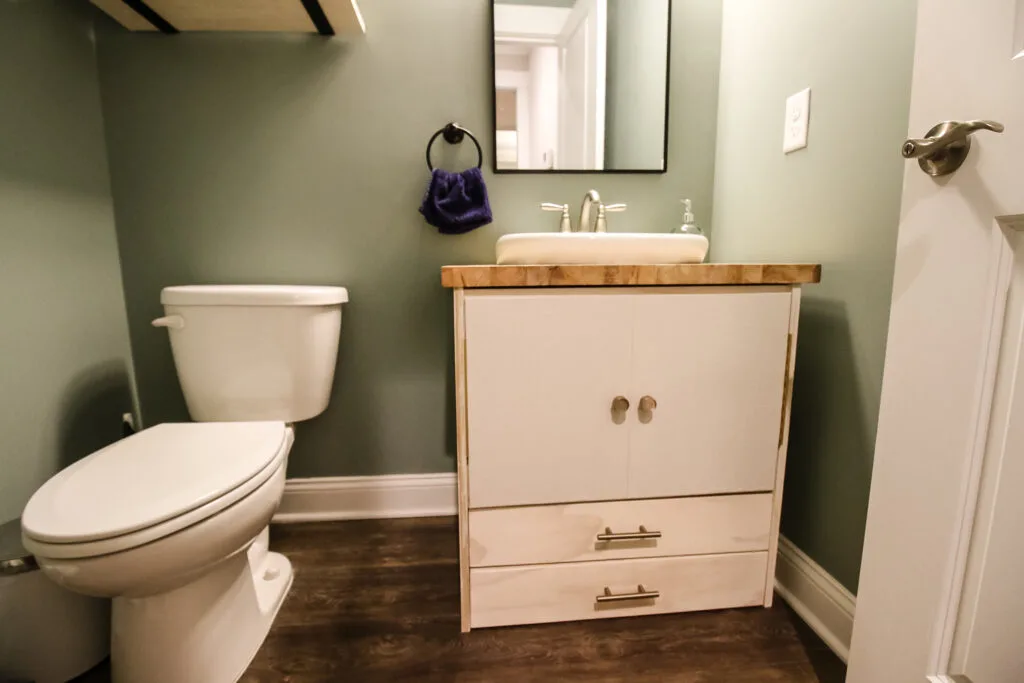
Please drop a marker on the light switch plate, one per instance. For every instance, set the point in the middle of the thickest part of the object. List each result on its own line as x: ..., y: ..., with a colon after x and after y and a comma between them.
x: 798, y: 115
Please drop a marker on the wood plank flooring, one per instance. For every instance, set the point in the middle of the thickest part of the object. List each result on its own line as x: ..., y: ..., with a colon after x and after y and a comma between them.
x: 378, y: 600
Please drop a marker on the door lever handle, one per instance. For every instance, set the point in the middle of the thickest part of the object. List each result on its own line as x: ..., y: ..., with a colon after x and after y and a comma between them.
x: 944, y: 148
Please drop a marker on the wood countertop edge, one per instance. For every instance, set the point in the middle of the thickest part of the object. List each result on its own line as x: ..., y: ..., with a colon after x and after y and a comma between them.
x: 679, y: 274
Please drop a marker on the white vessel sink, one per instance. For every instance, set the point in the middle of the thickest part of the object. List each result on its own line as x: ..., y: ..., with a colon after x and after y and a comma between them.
x: 604, y: 248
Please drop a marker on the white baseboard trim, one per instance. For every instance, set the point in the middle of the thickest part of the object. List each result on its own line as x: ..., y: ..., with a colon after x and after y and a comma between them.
x: 819, y: 599
x: 323, y: 499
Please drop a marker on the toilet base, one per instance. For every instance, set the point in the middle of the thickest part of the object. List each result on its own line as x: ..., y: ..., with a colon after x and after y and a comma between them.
x: 207, y: 631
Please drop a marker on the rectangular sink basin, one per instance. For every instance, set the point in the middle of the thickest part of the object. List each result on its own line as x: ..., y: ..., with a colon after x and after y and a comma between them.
x: 600, y: 248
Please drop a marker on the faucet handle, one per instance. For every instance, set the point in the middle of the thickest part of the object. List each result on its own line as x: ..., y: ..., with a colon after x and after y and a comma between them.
x: 565, y: 224
x: 602, y: 221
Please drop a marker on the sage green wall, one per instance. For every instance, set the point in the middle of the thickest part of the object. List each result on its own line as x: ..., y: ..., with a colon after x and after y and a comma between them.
x: 294, y: 159
x: 635, y: 96
x: 64, y: 367
x: 836, y: 202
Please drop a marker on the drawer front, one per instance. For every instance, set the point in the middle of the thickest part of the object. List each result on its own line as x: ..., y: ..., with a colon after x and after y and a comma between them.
x: 502, y: 596
x: 569, y: 533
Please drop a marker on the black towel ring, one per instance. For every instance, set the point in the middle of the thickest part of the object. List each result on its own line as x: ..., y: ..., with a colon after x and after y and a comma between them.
x: 454, y: 134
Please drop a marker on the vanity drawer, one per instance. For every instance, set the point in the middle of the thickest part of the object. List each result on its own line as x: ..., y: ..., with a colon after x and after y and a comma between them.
x: 503, y: 596
x: 569, y: 533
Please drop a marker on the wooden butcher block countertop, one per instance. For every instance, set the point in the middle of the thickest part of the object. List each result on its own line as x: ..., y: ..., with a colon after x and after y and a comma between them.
x: 472, y: 277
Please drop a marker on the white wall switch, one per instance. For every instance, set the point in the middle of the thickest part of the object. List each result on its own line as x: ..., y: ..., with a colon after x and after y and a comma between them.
x: 798, y: 114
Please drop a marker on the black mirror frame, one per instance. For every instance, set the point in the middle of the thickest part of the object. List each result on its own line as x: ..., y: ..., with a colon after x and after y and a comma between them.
x: 494, y: 116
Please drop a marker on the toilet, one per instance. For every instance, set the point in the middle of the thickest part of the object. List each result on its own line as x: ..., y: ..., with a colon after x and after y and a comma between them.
x: 172, y: 522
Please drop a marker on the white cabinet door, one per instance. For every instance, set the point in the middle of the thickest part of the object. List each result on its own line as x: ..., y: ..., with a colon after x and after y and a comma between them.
x: 714, y: 361
x: 542, y: 372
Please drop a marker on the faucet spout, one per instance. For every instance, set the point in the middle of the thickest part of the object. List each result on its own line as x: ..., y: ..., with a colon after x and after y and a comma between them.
x: 589, y: 199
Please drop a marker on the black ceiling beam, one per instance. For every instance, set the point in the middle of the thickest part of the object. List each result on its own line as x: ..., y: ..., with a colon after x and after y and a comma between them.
x: 150, y: 15
x: 317, y: 16
x: 313, y: 9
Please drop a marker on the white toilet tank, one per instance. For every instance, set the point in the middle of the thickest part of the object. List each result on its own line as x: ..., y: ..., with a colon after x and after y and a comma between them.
x: 254, y: 352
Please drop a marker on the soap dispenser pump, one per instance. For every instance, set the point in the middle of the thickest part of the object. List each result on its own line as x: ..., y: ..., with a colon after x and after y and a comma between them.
x: 689, y: 226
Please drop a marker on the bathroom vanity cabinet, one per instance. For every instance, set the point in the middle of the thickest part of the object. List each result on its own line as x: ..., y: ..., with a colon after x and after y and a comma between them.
x: 622, y: 445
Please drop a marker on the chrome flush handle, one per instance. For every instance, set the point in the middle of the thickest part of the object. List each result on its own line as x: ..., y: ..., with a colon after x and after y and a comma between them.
x: 945, y: 147
x: 175, y: 322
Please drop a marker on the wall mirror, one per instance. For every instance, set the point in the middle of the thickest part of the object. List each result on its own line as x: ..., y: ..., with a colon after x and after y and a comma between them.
x: 581, y: 85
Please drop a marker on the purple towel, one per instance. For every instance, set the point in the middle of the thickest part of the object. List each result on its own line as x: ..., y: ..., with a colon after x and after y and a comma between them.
x: 456, y: 202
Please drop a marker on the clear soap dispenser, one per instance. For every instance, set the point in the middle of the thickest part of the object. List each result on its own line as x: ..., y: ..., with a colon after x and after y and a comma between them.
x: 689, y: 226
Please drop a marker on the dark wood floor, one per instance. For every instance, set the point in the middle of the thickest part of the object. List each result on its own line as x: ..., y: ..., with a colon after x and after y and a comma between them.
x: 378, y: 601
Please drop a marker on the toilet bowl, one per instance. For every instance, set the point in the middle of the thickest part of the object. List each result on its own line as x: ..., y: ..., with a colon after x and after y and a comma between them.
x: 195, y: 589
x: 171, y: 523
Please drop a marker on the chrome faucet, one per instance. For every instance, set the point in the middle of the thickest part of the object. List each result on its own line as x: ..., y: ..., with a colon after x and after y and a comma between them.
x: 591, y: 197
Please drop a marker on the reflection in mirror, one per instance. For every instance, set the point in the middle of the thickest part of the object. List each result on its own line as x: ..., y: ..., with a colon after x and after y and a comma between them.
x: 581, y: 85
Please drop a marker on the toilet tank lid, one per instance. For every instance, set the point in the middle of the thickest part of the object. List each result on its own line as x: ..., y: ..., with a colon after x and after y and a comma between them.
x: 253, y: 295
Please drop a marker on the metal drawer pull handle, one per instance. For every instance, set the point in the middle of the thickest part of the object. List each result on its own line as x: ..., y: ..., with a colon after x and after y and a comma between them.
x: 641, y: 594
x: 642, y: 535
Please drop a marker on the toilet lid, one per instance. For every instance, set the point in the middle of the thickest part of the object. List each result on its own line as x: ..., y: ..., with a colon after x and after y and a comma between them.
x: 158, y: 474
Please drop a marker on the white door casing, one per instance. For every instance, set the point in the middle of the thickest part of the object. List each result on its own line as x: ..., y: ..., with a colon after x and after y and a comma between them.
x: 936, y: 546
x: 581, y: 111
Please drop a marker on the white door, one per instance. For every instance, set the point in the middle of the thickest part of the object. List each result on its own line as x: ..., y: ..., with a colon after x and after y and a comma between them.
x: 584, y: 47
x: 542, y: 374
x: 519, y: 83
x: 709, y: 360
x: 940, y: 594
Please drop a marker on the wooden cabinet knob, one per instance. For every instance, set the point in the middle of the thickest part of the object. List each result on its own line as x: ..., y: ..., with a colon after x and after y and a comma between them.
x: 646, y: 409
x: 620, y: 404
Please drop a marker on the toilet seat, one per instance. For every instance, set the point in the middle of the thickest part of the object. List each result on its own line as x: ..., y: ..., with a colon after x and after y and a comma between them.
x: 151, y: 485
